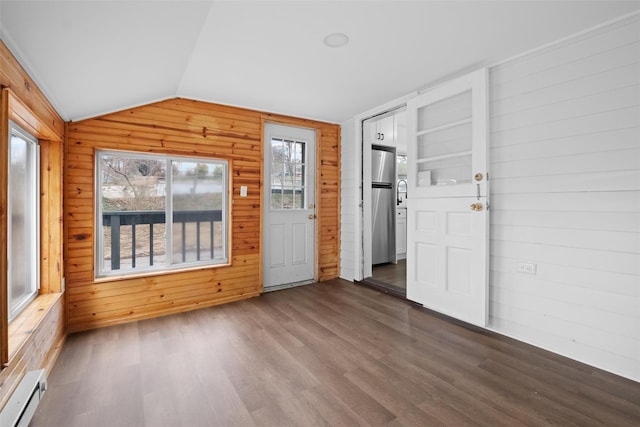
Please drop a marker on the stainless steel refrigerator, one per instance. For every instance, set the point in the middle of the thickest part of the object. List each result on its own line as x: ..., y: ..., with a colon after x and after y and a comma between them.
x: 383, y: 233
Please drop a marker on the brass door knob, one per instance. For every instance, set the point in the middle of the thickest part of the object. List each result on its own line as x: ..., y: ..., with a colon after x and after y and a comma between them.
x: 477, y: 207
x: 312, y: 216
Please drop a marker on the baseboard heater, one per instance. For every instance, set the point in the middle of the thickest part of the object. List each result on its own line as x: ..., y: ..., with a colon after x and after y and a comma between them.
x: 23, y: 402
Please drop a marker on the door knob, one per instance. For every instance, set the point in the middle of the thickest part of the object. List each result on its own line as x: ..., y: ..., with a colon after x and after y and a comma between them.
x: 312, y: 216
x: 477, y: 207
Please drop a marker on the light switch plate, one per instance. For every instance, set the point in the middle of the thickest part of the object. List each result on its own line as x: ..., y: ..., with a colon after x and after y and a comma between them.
x: 243, y: 191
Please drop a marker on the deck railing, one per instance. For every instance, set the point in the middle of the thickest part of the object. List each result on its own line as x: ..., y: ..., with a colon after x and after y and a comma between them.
x: 115, y: 220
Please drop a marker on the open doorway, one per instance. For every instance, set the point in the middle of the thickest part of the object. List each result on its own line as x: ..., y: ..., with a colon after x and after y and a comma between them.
x: 392, y: 276
x: 384, y: 193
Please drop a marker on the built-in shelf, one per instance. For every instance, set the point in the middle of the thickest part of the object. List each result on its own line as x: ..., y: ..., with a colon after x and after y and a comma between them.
x: 444, y: 127
x: 445, y: 156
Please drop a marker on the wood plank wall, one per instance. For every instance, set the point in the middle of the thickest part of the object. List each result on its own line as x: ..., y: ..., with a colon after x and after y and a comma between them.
x: 45, y: 338
x: 184, y: 127
x: 565, y: 169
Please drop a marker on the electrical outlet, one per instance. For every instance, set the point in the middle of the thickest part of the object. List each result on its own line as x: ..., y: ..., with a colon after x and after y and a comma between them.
x: 243, y: 191
x: 527, y: 268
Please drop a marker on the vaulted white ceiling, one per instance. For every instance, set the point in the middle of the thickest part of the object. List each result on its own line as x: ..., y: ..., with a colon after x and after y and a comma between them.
x: 93, y: 57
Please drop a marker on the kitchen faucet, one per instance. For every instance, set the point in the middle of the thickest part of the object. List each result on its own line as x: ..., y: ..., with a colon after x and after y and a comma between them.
x: 398, y: 199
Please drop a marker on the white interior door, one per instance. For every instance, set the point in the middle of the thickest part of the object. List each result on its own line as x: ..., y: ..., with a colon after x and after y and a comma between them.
x: 447, y: 217
x: 289, y: 227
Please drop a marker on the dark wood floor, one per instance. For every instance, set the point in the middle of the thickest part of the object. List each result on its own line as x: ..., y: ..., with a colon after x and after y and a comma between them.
x: 324, y: 354
x: 391, y: 276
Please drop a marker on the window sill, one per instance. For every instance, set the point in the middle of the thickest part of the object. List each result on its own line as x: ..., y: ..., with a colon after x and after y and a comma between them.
x: 27, y: 322
x: 152, y: 273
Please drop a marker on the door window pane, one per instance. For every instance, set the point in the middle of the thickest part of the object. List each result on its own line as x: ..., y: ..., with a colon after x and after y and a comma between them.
x: 287, y: 174
x: 441, y: 113
x: 449, y: 171
x: 450, y: 141
x: 444, y: 142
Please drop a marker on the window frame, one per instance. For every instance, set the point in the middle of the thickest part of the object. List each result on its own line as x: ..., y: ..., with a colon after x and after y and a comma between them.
x: 33, y: 156
x: 169, y: 265
x: 48, y: 129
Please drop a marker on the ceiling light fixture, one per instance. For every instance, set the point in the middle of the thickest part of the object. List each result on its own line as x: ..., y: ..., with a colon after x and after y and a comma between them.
x: 336, y: 40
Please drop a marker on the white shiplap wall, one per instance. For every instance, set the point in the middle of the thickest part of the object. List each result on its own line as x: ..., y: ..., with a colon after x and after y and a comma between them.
x: 565, y: 184
x: 350, y: 241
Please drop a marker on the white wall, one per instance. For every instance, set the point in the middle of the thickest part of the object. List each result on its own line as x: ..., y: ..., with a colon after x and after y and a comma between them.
x: 565, y: 185
x: 350, y: 178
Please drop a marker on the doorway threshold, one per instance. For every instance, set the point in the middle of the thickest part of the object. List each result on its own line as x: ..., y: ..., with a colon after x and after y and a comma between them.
x: 383, y: 287
x: 287, y: 286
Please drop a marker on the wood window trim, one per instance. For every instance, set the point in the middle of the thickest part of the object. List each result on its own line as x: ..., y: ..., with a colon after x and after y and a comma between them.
x: 12, y: 338
x: 20, y: 113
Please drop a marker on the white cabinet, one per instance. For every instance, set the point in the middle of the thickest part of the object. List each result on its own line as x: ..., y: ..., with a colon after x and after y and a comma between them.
x: 381, y: 131
x: 388, y: 130
x: 385, y: 131
x: 401, y: 233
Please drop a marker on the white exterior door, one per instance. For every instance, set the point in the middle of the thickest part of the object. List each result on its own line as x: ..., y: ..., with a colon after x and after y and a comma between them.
x: 447, y: 202
x: 289, y: 228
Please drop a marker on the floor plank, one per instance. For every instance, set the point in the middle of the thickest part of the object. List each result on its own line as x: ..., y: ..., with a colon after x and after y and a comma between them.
x: 331, y: 353
x: 391, y: 276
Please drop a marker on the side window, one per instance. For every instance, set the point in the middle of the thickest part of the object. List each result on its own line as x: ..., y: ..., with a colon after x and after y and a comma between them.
x: 160, y: 213
x: 23, y: 226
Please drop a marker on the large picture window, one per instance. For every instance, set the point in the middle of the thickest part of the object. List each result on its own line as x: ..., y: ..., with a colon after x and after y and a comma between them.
x: 159, y: 212
x: 23, y: 226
